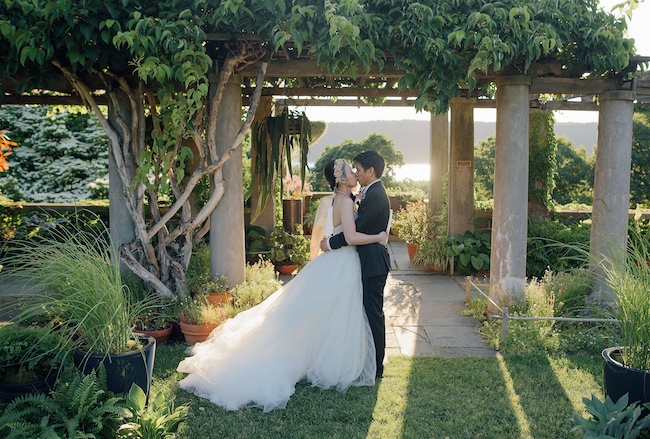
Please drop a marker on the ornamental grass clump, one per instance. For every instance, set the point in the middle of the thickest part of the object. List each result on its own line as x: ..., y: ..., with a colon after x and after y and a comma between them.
x: 74, y: 272
x: 629, y: 279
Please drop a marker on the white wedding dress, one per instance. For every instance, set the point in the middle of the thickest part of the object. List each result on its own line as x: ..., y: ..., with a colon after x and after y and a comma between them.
x: 314, y: 328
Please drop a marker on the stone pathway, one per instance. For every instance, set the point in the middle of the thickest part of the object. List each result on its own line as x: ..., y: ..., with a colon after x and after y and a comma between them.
x: 423, y: 312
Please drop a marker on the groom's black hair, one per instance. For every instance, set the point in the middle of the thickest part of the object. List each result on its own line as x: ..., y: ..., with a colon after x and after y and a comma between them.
x: 371, y: 159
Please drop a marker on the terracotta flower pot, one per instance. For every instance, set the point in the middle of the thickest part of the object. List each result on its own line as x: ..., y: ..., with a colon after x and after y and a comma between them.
x: 161, y: 335
x: 412, y: 249
x: 196, y: 333
x: 287, y: 269
x: 218, y: 298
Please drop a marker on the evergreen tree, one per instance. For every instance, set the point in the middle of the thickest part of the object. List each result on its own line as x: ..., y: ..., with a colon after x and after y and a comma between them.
x: 59, y: 154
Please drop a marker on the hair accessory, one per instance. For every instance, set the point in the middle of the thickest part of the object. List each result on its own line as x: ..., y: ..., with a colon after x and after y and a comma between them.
x: 339, y: 165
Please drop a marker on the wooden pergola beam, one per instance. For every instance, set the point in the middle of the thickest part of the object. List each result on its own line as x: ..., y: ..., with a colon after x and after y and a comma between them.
x: 300, y: 68
x: 333, y: 92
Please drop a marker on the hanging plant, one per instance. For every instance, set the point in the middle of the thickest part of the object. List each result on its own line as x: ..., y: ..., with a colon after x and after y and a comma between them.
x: 274, y: 138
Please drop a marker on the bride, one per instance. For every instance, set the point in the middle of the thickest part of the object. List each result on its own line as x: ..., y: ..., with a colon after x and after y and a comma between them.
x: 314, y: 328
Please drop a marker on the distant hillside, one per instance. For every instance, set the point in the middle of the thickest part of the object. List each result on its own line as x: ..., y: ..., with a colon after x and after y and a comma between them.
x: 412, y: 136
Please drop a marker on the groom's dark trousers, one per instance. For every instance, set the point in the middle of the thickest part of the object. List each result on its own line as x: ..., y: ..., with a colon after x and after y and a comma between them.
x: 372, y: 218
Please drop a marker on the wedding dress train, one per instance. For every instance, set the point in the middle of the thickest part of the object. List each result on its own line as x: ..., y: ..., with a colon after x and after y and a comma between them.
x: 314, y: 328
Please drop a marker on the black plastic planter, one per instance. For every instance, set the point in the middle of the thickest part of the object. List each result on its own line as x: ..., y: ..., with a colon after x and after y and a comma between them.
x: 619, y: 379
x: 122, y: 370
x: 11, y: 391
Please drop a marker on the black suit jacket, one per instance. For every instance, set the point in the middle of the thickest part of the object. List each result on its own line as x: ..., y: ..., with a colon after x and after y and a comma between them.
x: 373, y: 214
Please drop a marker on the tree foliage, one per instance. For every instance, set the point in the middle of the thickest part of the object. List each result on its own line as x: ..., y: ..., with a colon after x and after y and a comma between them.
x: 59, y: 154
x: 640, y: 175
x: 484, y: 169
x: 153, y: 59
x: 574, y: 178
x: 542, y: 151
x: 349, y: 149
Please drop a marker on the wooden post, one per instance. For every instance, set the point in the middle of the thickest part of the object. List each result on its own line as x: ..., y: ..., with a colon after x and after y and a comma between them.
x: 504, y: 325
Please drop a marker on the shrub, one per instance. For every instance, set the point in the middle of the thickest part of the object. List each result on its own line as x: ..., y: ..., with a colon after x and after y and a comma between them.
x: 568, y: 290
x: 471, y: 250
x: 411, y: 223
x: 28, y: 353
x: 553, y: 245
x: 261, y: 281
x: 198, y: 312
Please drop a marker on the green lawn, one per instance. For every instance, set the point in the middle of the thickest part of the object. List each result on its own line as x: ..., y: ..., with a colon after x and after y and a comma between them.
x: 514, y: 396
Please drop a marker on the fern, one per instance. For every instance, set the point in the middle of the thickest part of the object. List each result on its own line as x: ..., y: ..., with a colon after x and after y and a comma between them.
x: 80, y: 408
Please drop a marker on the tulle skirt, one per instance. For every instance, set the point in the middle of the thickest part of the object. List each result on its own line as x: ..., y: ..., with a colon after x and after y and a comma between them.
x: 314, y: 328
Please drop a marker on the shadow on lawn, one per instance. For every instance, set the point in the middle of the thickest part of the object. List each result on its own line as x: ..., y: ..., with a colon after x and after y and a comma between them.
x: 506, y: 397
x: 516, y: 396
x: 310, y: 413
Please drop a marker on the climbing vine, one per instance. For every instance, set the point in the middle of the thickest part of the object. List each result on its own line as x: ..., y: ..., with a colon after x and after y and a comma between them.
x: 542, y: 151
x: 154, y: 60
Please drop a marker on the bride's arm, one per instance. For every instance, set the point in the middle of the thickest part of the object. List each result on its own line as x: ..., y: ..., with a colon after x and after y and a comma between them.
x: 349, y: 228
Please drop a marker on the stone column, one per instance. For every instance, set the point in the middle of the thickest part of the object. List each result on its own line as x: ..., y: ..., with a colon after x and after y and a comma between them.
x: 227, y: 250
x: 266, y: 218
x: 438, y: 161
x: 460, y: 199
x: 611, y: 185
x: 120, y: 224
x: 509, y: 218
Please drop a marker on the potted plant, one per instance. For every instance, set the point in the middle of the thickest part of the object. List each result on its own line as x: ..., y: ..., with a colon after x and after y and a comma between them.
x: 198, y: 319
x: 412, y: 223
x: 215, y: 291
x: 199, y: 281
x: 432, y: 254
x: 626, y: 368
x: 156, y: 323
x: 275, y: 137
x: 30, y: 360
x: 288, y: 251
x: 73, y: 271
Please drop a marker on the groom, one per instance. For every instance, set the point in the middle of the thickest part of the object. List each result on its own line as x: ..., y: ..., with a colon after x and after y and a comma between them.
x: 373, y: 213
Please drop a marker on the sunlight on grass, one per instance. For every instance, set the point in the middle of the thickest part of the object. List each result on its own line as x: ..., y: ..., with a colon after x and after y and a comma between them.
x: 419, y: 397
x: 389, y: 415
x: 576, y: 382
x: 513, y: 398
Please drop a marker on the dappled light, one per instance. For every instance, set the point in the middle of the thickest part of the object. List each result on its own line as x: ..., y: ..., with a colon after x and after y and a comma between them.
x: 514, y: 399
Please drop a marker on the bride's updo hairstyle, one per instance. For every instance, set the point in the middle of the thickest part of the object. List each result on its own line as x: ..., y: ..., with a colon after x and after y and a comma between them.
x: 334, y: 172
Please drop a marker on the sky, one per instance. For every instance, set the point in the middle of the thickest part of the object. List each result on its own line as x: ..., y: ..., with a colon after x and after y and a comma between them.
x: 638, y: 28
